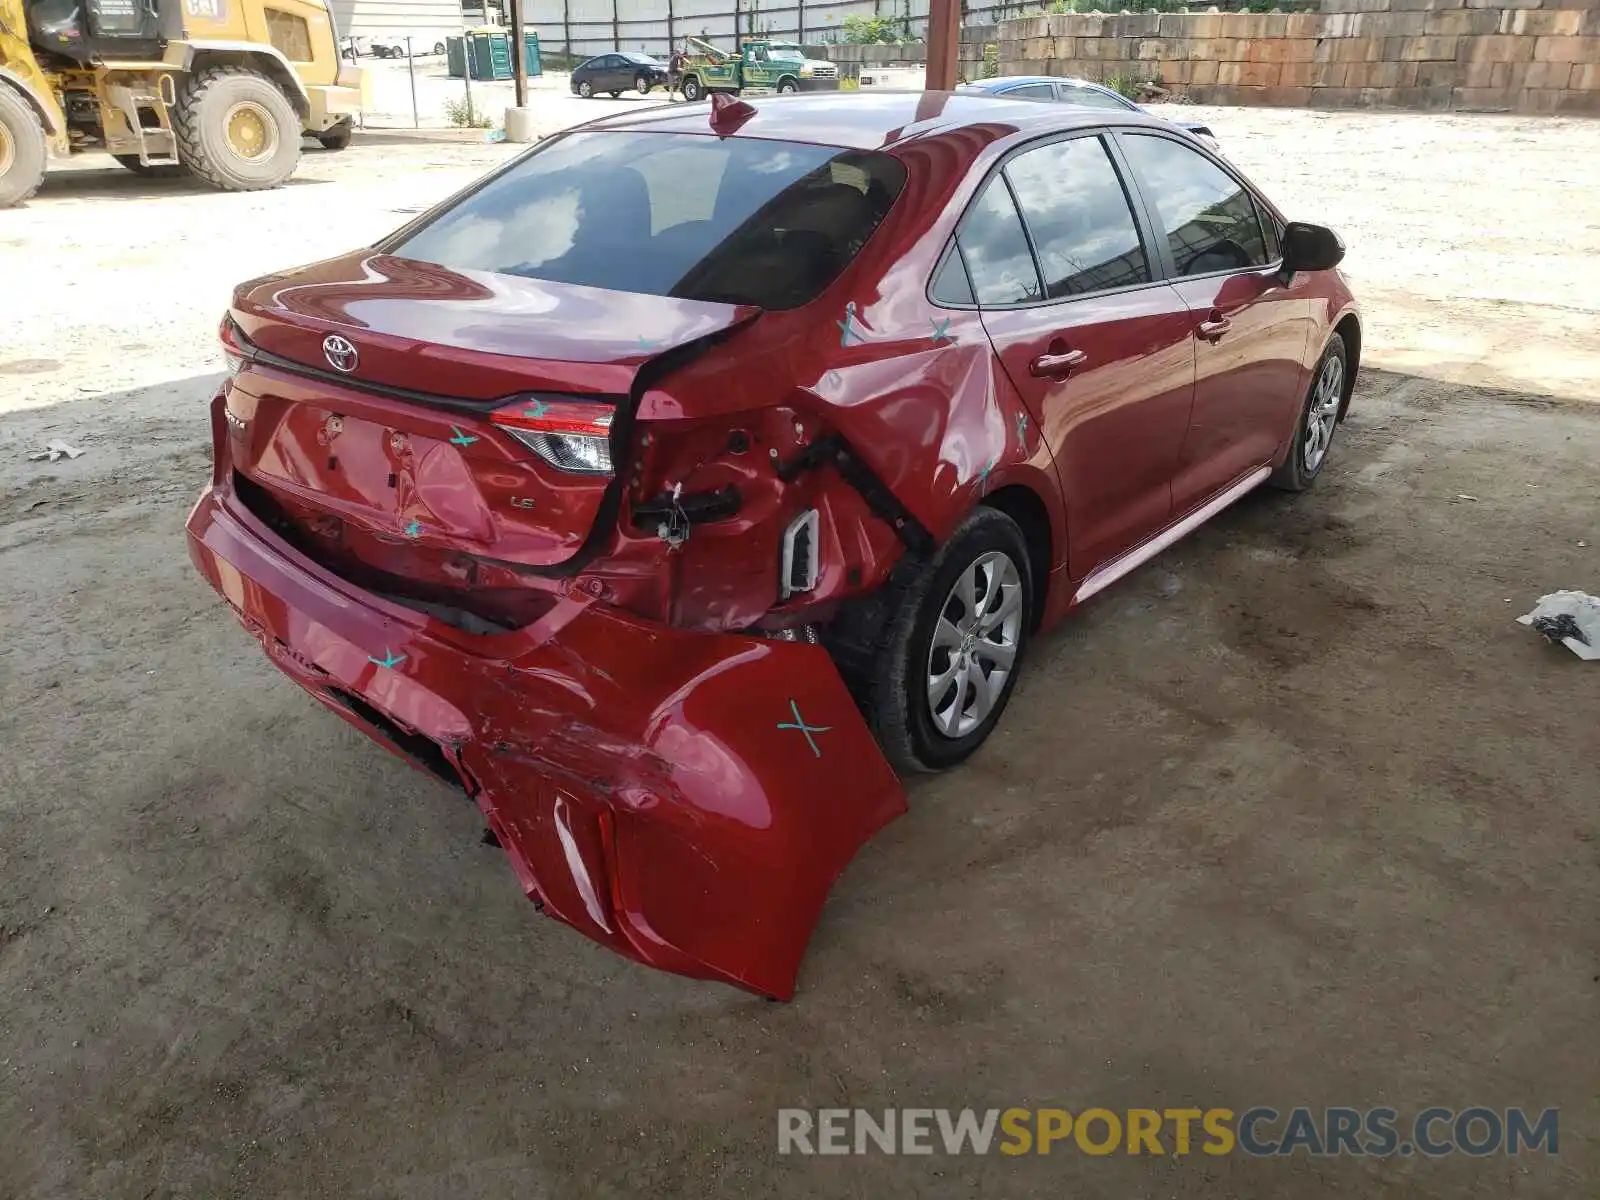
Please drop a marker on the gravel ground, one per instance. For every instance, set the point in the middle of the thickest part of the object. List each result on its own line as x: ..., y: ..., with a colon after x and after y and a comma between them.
x: 1294, y: 815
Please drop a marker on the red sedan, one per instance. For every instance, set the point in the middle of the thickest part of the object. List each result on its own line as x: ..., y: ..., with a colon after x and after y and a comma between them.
x: 675, y: 484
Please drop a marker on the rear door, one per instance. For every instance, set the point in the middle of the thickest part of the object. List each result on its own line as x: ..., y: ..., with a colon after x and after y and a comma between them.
x: 1250, y: 327
x: 1101, y: 352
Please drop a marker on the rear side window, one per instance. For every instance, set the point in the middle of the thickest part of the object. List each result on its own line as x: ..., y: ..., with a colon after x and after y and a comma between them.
x: 1091, y: 98
x: 996, y: 249
x: 1030, y: 91
x: 1209, y: 217
x: 737, y: 220
x: 1079, y: 216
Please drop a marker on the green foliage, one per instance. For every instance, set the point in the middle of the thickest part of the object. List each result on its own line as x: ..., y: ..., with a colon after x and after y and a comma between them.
x: 865, y: 31
x: 462, y: 115
x: 1123, y: 85
x: 991, y: 61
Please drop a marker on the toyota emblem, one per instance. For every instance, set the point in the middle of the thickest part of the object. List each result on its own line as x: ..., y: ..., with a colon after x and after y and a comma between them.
x: 341, y: 355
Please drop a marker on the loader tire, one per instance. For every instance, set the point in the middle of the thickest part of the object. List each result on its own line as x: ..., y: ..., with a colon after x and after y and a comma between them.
x: 236, y: 130
x: 22, y: 149
x: 337, y: 138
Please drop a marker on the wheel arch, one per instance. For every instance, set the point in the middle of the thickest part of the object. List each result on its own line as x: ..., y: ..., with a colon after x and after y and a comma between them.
x: 267, y: 60
x: 1349, y: 328
x: 1027, y: 508
x: 50, y: 116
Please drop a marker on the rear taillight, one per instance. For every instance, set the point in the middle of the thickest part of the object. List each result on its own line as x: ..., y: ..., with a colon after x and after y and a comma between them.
x: 233, y: 346
x: 570, y: 435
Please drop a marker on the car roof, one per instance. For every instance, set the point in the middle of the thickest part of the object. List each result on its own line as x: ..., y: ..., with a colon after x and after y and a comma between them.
x: 873, y: 120
x: 1008, y: 81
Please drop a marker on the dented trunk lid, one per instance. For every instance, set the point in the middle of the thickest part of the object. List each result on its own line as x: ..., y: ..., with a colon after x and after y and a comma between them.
x: 373, y: 405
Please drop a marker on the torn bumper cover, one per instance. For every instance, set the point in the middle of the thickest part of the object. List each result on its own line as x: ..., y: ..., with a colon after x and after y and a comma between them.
x: 684, y: 798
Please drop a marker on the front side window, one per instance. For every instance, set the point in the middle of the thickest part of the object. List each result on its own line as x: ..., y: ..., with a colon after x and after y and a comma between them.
x: 1209, y: 217
x: 996, y: 249
x: 736, y: 220
x: 1083, y: 227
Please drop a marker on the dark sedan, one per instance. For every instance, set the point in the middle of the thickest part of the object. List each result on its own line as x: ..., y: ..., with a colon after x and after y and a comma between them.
x: 617, y: 72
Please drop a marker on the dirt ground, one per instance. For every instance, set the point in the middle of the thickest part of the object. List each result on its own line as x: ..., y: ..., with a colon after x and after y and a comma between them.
x: 1296, y: 815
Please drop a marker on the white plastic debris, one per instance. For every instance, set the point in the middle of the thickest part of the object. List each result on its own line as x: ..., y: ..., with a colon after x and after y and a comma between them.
x: 1571, y: 618
x: 54, y: 452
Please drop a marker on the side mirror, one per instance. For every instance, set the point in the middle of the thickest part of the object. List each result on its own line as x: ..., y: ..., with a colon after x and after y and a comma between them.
x: 1309, y: 247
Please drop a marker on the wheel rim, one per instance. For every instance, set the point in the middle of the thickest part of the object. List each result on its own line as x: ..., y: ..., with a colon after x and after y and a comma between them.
x: 584, y: 89
x: 251, y: 132
x: 1324, y: 412
x: 974, y: 646
x: 8, y: 150
x: 641, y: 85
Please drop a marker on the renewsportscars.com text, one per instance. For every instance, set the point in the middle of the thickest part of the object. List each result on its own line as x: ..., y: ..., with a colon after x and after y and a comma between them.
x: 1259, y: 1132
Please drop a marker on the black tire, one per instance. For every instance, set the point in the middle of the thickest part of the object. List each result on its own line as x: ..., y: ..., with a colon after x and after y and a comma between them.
x: 641, y: 84
x: 438, y: 47
x: 200, y: 122
x: 148, y: 170
x: 586, y: 89
x: 1296, y: 473
x: 337, y: 138
x: 23, y: 149
x: 787, y: 87
x: 692, y: 90
x: 615, y: 94
x: 893, y: 687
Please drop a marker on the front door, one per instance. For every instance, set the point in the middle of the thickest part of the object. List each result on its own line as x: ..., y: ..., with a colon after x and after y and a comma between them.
x: 1102, y: 354
x: 1250, y: 327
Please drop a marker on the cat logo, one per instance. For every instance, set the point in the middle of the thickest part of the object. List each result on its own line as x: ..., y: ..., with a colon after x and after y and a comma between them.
x: 521, y: 502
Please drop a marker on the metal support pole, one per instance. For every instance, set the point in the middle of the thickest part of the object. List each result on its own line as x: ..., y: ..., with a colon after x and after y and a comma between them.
x: 411, y: 70
x: 467, y: 78
x: 519, y: 54
x: 672, y: 38
x: 616, y: 33
x: 566, y: 30
x: 944, y: 41
x: 800, y: 22
x: 738, y: 29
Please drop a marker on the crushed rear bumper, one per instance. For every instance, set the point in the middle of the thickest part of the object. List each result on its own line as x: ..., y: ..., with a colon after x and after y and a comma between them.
x: 684, y: 798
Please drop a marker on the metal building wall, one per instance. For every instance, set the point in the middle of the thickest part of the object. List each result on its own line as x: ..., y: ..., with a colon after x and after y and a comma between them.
x: 594, y: 26
x: 397, y: 18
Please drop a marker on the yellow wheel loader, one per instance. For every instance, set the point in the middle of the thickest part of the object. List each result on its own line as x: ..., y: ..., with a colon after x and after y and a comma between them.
x: 220, y: 89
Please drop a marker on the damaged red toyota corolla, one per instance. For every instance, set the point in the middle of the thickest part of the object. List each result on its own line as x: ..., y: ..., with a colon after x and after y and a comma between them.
x: 669, y: 485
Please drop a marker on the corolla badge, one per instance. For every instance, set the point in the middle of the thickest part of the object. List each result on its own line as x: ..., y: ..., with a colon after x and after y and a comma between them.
x: 340, y: 353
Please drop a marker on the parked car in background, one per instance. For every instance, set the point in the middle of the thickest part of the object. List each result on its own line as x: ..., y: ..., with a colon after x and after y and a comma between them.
x: 664, y: 488
x: 617, y: 72
x: 1080, y: 92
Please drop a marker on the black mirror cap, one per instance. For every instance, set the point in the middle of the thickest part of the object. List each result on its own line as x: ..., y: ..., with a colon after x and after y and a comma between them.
x: 1308, y: 247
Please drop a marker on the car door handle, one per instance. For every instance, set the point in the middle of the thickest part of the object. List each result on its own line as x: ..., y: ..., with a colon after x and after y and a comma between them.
x: 1214, y: 328
x: 1057, y: 364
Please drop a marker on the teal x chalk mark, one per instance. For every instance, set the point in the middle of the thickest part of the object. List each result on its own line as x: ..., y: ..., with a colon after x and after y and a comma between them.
x: 389, y: 659
x: 941, y: 330
x: 1022, y: 427
x: 981, y: 482
x: 847, y: 327
x: 538, y: 410
x: 461, y: 439
x: 799, y: 723
x: 413, y: 529
x: 645, y: 343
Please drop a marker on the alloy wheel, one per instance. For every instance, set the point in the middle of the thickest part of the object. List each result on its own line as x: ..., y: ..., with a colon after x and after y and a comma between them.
x: 1323, y: 414
x: 974, y: 644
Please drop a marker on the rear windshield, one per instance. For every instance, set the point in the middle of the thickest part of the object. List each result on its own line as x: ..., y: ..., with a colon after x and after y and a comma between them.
x: 737, y: 220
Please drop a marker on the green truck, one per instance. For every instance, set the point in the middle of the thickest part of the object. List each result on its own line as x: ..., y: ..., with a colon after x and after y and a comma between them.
x: 760, y: 67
